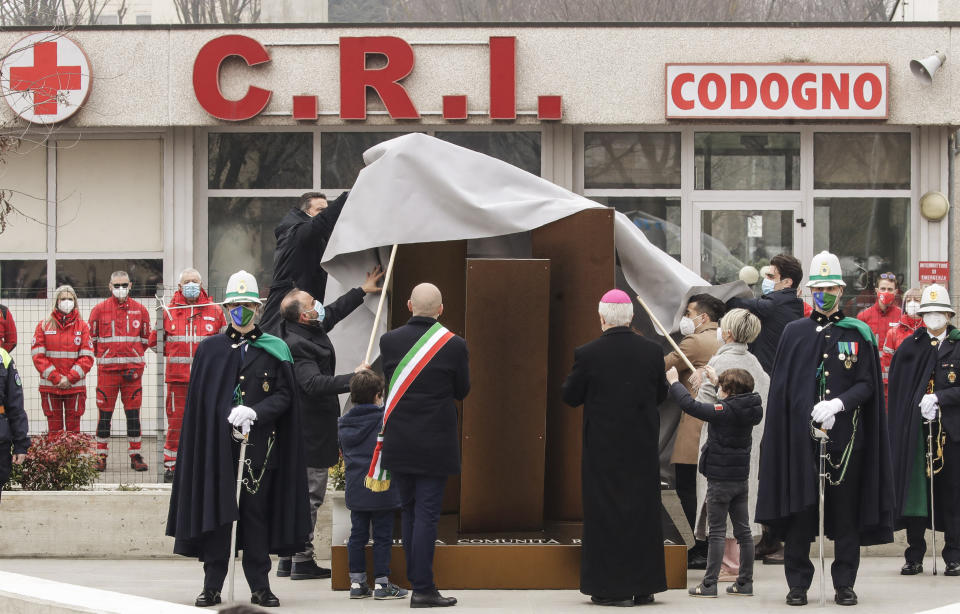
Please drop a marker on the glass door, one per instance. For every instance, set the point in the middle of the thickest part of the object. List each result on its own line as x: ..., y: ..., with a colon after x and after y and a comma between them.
x: 738, y: 235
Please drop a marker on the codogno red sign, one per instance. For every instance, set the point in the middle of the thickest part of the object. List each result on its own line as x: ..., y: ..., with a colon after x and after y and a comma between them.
x: 776, y: 91
x: 45, y: 78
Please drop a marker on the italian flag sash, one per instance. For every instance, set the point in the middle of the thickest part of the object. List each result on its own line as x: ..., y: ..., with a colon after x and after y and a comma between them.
x: 378, y: 478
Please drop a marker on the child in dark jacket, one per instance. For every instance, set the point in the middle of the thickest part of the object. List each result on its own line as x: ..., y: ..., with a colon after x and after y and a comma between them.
x: 358, y: 430
x: 725, y: 461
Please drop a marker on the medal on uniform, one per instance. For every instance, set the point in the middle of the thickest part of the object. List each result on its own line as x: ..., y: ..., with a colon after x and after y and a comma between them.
x: 842, y: 356
x: 266, y: 386
x: 952, y: 377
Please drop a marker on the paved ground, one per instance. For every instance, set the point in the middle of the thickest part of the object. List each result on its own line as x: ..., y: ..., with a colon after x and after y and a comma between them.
x: 880, y: 587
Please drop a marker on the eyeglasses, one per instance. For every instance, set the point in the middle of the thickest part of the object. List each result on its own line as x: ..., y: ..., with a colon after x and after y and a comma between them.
x: 121, y: 285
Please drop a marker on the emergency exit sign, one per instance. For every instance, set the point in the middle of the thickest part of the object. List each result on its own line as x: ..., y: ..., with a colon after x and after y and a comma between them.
x: 934, y: 272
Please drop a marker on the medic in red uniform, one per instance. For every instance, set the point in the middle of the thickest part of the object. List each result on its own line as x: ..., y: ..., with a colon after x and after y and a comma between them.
x: 62, y: 352
x: 190, y: 317
x: 120, y: 328
x: 882, y: 317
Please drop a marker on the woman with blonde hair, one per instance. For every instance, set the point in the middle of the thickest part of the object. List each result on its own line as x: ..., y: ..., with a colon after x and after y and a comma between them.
x: 737, y: 328
x: 62, y: 352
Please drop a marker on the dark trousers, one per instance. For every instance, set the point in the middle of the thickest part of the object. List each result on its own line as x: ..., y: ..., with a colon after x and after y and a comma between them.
x: 723, y: 498
x: 946, y: 496
x: 360, y: 524
x: 842, y: 514
x: 253, y: 537
x: 421, y: 501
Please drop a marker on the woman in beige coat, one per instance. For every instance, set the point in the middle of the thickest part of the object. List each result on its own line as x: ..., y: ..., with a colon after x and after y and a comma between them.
x: 737, y: 328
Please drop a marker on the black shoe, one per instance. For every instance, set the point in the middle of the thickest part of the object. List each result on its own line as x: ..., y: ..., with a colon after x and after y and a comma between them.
x: 845, y: 596
x: 696, y: 560
x: 642, y: 599
x: 168, y: 476
x: 430, y: 599
x: 613, y: 601
x: 911, y: 569
x: 265, y: 599
x: 953, y: 569
x: 207, y: 598
x: 308, y: 570
x: 797, y: 596
x: 283, y: 568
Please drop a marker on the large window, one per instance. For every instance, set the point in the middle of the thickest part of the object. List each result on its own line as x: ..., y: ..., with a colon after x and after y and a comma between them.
x: 861, y: 160
x: 104, y: 213
x: 747, y: 161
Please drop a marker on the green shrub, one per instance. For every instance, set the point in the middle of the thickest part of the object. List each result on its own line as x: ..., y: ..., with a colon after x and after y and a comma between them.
x: 57, y: 461
x: 338, y: 475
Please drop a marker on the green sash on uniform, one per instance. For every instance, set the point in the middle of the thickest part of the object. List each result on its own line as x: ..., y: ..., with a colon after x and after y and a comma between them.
x: 275, y: 346
x: 917, y: 491
x: 861, y: 327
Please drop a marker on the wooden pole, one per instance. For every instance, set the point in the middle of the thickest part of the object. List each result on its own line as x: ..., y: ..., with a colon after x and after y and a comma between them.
x: 383, y: 296
x: 666, y: 334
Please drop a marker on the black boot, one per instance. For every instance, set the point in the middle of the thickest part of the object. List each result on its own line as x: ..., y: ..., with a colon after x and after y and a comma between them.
x: 845, y: 596
x: 283, y: 568
x: 265, y: 599
x: 911, y: 569
x: 207, y: 598
x: 430, y: 599
x: 797, y: 596
x: 308, y: 570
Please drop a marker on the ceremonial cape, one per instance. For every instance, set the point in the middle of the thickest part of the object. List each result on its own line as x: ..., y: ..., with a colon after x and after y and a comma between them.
x: 910, y: 371
x: 204, y: 488
x: 788, y: 481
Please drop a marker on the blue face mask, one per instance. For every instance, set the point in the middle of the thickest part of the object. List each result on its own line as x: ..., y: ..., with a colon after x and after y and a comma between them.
x: 321, y: 312
x: 767, y: 285
x: 191, y: 290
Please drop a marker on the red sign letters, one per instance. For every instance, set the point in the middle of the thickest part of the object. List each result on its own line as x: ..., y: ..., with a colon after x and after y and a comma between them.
x: 356, y: 78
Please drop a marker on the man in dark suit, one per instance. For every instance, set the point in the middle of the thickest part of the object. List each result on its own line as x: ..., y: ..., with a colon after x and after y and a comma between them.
x: 302, y: 237
x: 619, y: 379
x: 420, y: 442
x: 306, y: 324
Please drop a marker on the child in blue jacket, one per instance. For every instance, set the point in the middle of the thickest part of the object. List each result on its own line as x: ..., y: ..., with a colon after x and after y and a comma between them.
x: 358, y: 430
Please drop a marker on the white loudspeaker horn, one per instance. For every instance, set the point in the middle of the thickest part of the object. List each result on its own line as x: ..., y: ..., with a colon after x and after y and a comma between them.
x: 926, y: 67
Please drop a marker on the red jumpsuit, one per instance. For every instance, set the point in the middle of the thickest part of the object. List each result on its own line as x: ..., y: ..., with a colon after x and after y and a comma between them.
x: 62, y: 350
x: 120, y: 333
x: 881, y: 323
x: 185, y: 326
x: 8, y: 329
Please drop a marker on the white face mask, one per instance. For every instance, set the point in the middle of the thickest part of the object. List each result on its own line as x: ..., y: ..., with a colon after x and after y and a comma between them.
x: 934, y: 321
x: 120, y: 293
x: 911, y: 308
x: 687, y: 326
x: 720, y: 336
x: 65, y: 305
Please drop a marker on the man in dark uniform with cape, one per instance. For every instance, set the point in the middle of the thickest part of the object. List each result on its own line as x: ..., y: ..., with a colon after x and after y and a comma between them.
x: 826, y: 372
x: 925, y: 393
x: 619, y: 379
x: 241, y: 381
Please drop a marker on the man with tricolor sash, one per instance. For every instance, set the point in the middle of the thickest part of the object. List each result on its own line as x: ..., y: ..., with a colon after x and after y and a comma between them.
x: 427, y: 368
x: 826, y: 375
x: 925, y: 434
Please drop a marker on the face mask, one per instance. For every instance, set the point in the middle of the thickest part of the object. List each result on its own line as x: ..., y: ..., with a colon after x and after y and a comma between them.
x: 767, y: 285
x: 720, y: 336
x: 911, y: 308
x: 824, y: 300
x: 720, y: 394
x: 885, y: 298
x: 687, y: 326
x: 934, y: 321
x: 65, y: 306
x: 321, y: 312
x: 191, y: 289
x: 121, y: 293
x: 241, y: 315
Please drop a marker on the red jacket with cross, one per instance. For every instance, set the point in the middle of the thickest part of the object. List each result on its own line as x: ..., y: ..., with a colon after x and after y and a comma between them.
x: 184, y: 328
x: 120, y: 333
x: 61, y: 349
x: 8, y: 329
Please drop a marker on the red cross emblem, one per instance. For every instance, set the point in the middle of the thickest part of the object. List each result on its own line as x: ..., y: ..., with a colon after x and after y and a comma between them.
x: 45, y: 77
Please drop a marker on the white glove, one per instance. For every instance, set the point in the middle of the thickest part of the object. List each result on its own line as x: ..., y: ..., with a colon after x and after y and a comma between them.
x: 242, y: 417
x: 824, y: 412
x: 929, y: 405
x: 827, y: 423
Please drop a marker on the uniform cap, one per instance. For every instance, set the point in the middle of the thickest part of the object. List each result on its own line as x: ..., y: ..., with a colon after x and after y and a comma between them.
x: 825, y: 271
x: 615, y: 296
x: 935, y: 299
x: 242, y: 288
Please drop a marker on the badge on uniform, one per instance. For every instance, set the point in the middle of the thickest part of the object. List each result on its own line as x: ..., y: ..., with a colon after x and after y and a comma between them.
x: 952, y: 377
x: 266, y: 386
x: 847, y: 352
